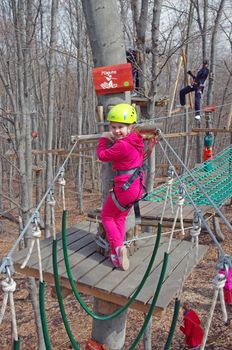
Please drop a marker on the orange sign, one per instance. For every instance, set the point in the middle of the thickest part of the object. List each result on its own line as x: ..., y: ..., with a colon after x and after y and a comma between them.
x: 113, y: 79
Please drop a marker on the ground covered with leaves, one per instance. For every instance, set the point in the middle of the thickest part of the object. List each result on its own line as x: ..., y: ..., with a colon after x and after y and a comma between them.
x: 198, y: 291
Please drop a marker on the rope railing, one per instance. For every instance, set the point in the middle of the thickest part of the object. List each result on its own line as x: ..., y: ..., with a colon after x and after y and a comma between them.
x: 35, y: 213
x: 201, y: 187
x: 199, y: 213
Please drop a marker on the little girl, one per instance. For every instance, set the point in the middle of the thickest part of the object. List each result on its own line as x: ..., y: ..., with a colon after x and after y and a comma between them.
x: 124, y: 148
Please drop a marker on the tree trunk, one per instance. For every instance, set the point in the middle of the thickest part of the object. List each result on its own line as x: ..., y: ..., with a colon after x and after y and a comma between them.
x: 153, y: 88
x: 51, y: 101
x: 108, y: 49
x: 213, y: 53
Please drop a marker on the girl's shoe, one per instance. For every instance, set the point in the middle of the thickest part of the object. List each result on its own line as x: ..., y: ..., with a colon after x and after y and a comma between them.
x: 114, y: 260
x: 122, y: 258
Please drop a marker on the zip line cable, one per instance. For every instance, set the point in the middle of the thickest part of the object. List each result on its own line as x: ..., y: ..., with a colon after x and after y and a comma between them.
x: 9, y: 255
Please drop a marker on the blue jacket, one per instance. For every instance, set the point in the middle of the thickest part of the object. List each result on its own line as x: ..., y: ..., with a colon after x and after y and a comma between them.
x: 201, y: 76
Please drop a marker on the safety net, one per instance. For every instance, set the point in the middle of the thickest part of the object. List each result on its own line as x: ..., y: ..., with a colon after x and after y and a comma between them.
x: 213, y: 176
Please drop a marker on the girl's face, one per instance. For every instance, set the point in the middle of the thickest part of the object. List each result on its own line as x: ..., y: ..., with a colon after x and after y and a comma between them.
x: 120, y: 130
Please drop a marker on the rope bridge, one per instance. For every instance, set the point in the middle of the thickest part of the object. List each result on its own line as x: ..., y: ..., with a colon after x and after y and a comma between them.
x: 215, y: 176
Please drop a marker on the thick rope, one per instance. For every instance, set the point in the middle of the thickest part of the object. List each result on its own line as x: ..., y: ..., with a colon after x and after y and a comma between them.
x: 52, y: 203
x: 195, y: 232
x: 179, y: 209
x: 62, y: 183
x: 8, y: 288
x: 168, y: 193
x: 35, y: 237
x: 73, y: 283
x: 218, y: 282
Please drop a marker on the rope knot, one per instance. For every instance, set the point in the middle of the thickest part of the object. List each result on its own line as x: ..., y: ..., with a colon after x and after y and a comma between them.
x: 180, y: 201
x: 195, y: 231
x: 8, y: 285
x: 52, y: 202
x: 36, y: 232
x: 62, y: 181
x: 219, y: 281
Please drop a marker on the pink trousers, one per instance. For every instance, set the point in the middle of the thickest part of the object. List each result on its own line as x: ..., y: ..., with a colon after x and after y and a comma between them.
x: 113, y: 219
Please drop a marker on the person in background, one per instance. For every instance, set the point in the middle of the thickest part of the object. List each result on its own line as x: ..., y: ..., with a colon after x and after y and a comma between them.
x: 123, y: 147
x: 131, y: 57
x: 192, y: 328
x: 196, y: 85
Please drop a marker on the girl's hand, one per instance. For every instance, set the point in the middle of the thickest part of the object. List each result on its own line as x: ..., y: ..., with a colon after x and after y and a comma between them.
x: 108, y: 135
x: 151, y: 143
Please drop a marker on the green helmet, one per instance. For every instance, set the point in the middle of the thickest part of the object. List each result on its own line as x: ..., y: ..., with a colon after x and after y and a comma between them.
x: 122, y: 113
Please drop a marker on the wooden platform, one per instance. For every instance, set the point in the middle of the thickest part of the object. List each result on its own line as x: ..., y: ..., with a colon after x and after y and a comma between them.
x: 96, y: 277
x: 151, y: 213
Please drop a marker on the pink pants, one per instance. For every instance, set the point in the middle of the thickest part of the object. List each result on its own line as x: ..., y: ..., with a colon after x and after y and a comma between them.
x: 113, y: 219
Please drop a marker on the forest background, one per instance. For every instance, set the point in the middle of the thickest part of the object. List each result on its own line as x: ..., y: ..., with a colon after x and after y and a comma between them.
x: 47, y: 93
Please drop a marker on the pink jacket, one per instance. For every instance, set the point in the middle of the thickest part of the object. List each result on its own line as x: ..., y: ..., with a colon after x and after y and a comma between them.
x: 124, y: 154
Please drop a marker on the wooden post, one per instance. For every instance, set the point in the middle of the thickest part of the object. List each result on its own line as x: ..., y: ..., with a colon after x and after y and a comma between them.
x: 228, y: 126
x: 100, y: 114
x: 111, y: 332
x: 186, y: 77
x: 175, y: 87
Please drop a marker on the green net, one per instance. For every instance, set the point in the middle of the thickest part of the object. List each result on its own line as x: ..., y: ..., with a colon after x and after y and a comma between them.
x: 214, y: 176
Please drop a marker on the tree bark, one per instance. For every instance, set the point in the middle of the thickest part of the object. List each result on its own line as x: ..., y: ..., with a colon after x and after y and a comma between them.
x: 51, y: 101
x: 108, y: 49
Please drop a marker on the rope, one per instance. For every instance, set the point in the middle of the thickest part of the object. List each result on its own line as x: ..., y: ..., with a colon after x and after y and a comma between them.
x: 196, y: 209
x: 179, y: 209
x: 173, y: 324
x: 154, y: 300
x: 62, y: 183
x: 35, y: 237
x: 73, y: 283
x: 37, y: 209
x: 199, y: 185
x: 8, y: 288
x: 43, y: 316
x: 59, y: 296
x: 52, y: 203
x: 195, y: 232
x: 218, y: 283
x: 168, y: 192
x: 155, y: 119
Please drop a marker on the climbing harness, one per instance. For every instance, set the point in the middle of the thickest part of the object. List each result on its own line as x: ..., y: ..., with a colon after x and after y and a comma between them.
x: 135, y: 173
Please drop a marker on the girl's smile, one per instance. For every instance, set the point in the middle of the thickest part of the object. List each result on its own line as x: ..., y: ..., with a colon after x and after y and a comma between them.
x: 120, y: 130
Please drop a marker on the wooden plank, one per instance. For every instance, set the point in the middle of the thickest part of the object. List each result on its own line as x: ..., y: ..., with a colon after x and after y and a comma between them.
x: 173, y: 282
x: 174, y: 258
x: 20, y: 255
x: 116, y: 277
x: 213, y: 130
x: 75, y: 258
x: 73, y: 235
x: 111, y: 282
x: 128, y: 287
x: 73, y: 247
x: 99, y: 276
